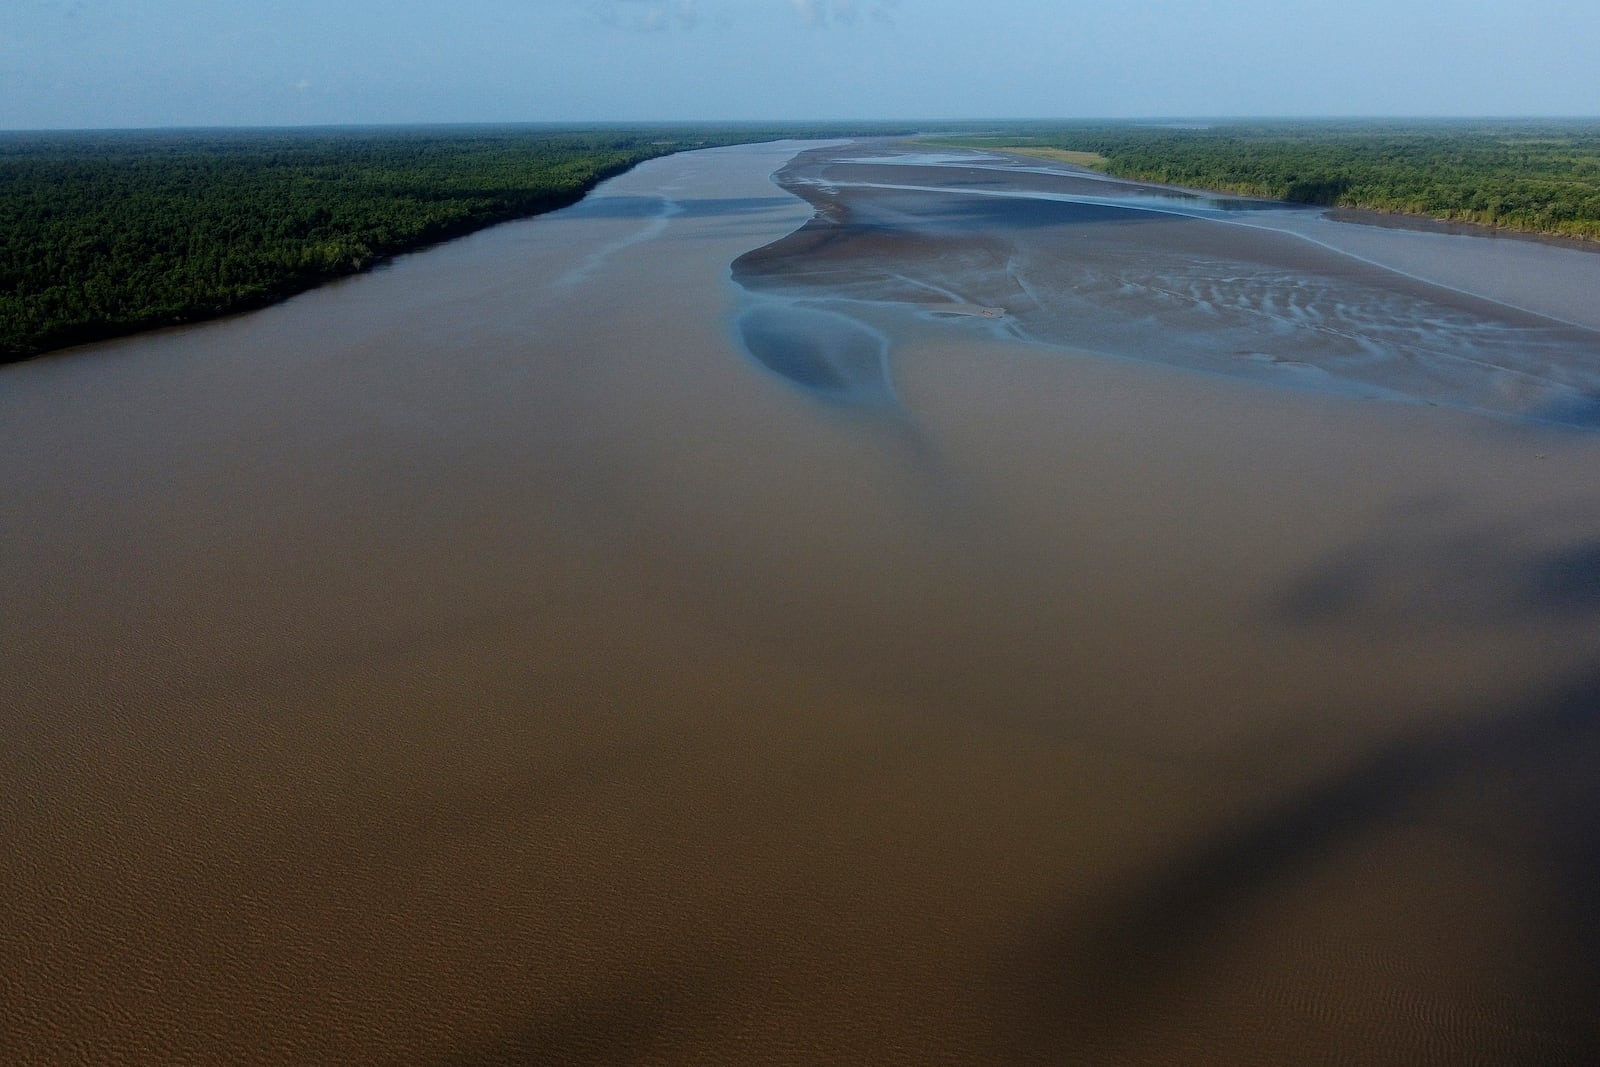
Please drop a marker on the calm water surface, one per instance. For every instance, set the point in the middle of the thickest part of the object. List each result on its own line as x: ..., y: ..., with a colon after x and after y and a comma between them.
x: 590, y: 642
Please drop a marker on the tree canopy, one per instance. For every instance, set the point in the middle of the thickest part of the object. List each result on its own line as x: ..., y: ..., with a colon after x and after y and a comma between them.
x: 1533, y: 176
x: 103, y: 234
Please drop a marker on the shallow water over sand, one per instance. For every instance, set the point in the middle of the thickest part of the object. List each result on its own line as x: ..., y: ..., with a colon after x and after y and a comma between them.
x: 490, y: 660
x: 1247, y: 289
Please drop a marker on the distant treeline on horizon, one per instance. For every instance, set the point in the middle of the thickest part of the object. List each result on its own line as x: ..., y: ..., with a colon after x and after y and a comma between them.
x: 1534, y: 175
x: 106, y: 233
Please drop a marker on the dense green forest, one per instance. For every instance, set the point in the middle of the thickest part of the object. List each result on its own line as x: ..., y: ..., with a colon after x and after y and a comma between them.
x: 1539, y: 176
x: 103, y: 234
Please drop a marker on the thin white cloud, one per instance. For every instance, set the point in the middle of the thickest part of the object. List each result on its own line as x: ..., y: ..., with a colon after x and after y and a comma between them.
x: 654, y: 16
x: 649, y: 16
x: 821, y: 13
x: 811, y: 13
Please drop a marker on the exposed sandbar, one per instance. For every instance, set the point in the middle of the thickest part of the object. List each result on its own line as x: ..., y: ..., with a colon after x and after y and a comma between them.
x: 1241, y: 288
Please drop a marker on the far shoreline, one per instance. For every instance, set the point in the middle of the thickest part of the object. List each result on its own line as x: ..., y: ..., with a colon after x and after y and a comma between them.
x: 1424, y: 222
x: 544, y: 178
x: 1403, y: 220
x: 1358, y: 216
x: 101, y: 333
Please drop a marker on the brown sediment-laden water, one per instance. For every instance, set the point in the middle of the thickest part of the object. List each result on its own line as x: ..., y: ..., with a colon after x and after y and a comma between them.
x: 969, y: 611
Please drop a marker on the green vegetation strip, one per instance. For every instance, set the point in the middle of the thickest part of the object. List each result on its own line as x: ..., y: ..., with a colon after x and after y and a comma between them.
x: 103, y: 234
x: 1533, y: 176
x: 1016, y: 144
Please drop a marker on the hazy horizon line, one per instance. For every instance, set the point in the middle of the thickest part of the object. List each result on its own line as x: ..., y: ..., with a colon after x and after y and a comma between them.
x: 1142, y: 120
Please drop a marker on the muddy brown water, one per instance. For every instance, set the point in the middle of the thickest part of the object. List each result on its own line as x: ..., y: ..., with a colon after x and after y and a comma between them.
x: 551, y: 649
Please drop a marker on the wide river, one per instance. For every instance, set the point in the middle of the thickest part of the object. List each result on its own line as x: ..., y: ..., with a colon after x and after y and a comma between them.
x: 926, y: 609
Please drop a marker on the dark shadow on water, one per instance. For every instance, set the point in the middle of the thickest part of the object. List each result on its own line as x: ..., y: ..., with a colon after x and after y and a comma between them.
x: 1106, y: 969
x: 1566, y: 580
x: 1409, y: 571
x: 1105, y: 975
x: 634, y: 1024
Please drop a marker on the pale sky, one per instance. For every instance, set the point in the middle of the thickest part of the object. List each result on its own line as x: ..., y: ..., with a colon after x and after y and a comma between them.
x: 134, y: 63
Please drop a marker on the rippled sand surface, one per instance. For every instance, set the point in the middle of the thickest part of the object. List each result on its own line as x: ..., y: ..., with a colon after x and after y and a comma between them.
x: 1250, y: 289
x: 588, y: 642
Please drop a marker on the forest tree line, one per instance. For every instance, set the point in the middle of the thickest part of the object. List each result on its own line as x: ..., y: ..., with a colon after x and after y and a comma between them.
x: 1538, y: 176
x: 103, y: 234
